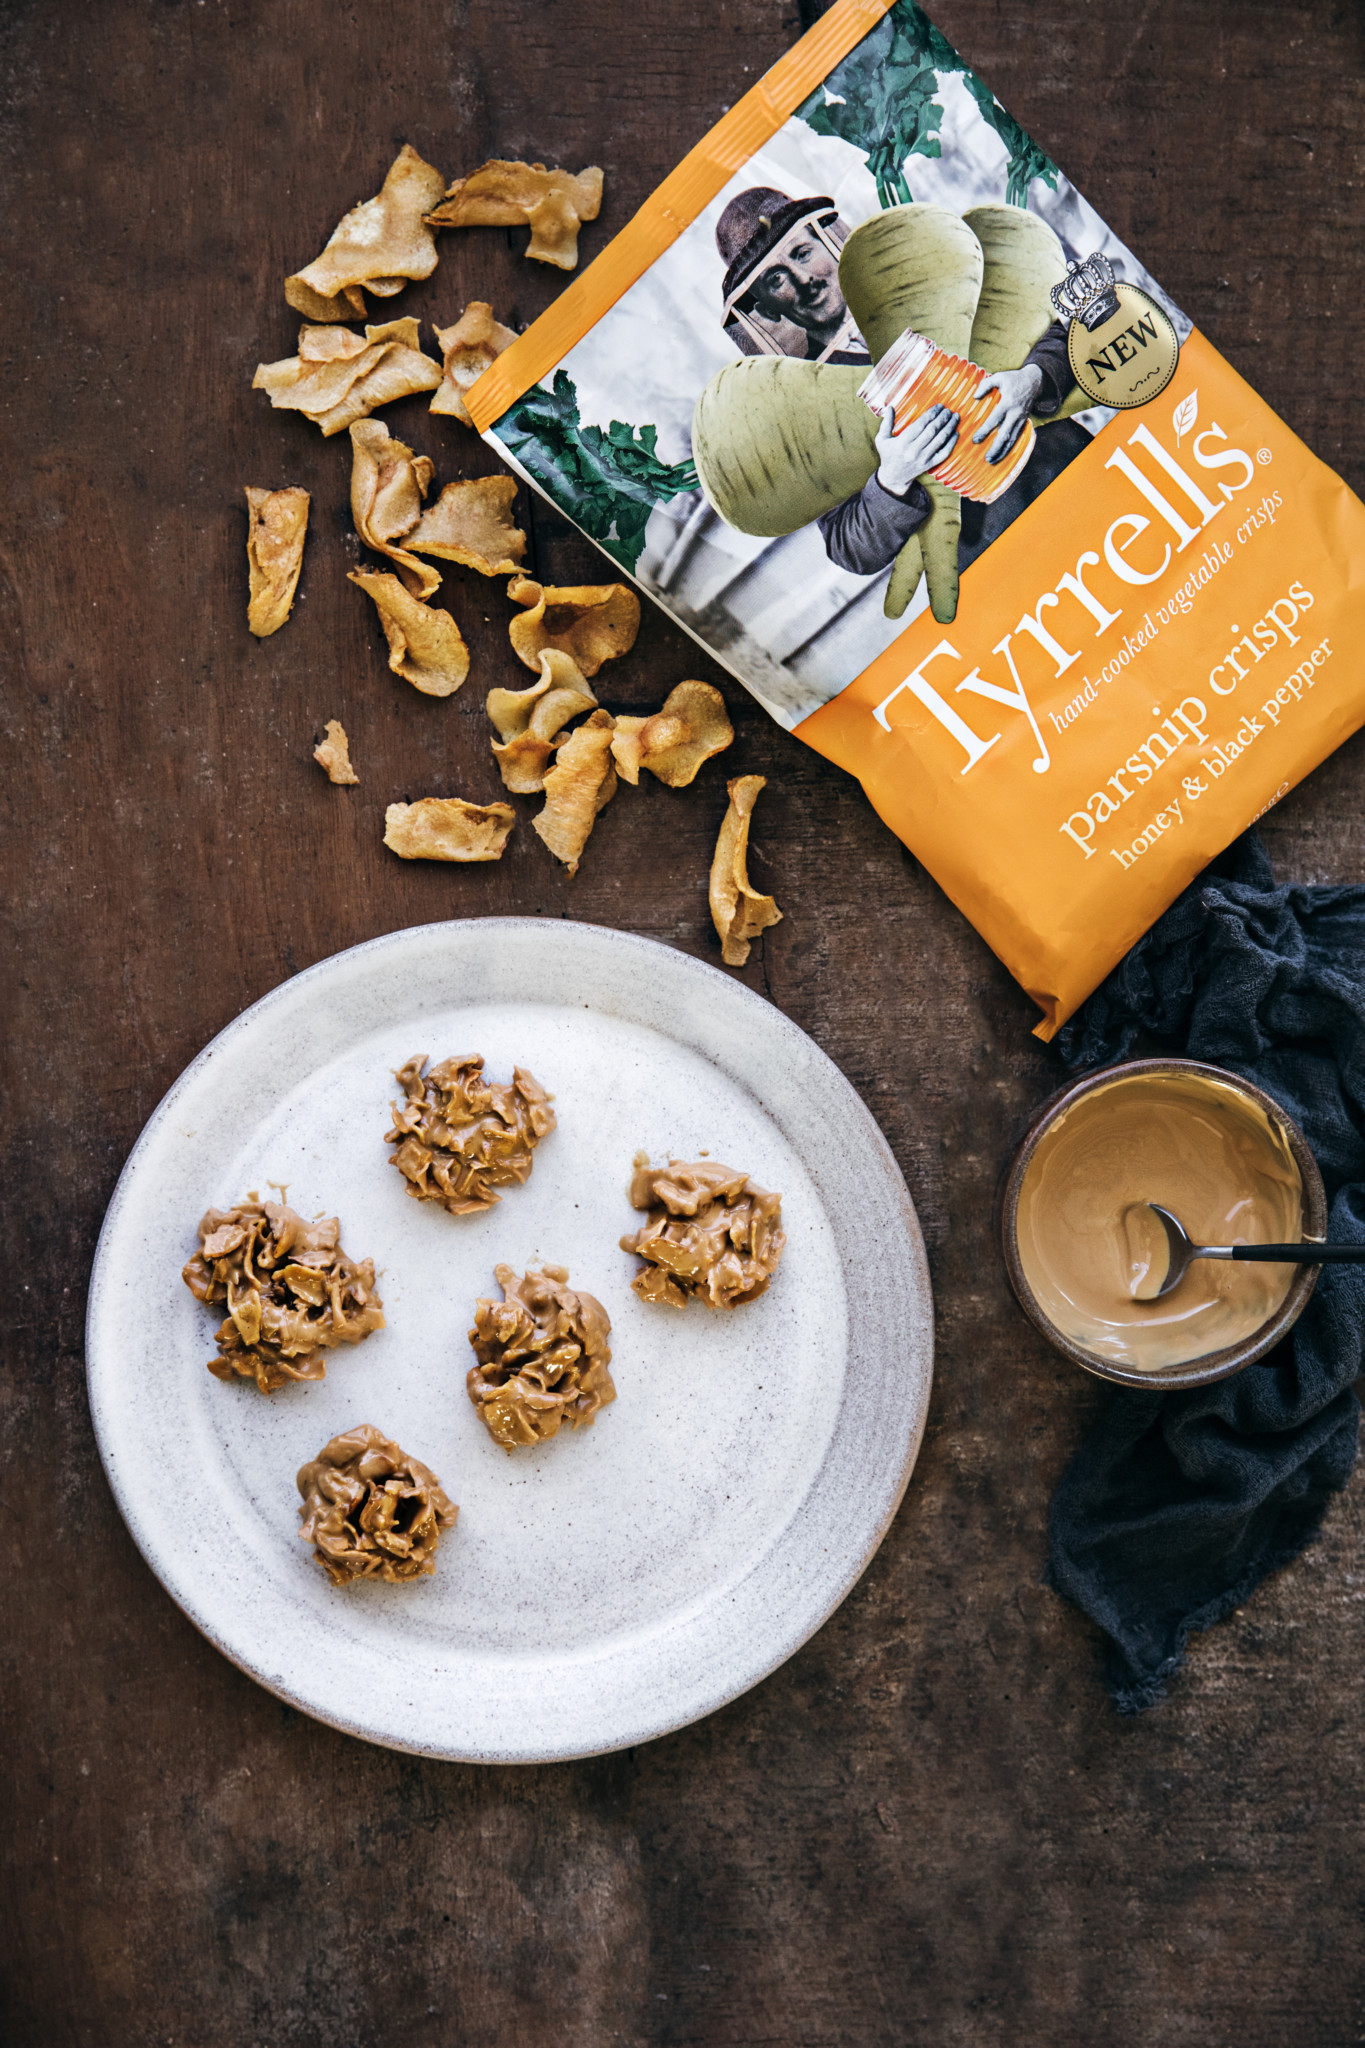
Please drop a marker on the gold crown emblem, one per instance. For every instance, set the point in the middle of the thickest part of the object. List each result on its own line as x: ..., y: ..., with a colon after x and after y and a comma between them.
x: 1087, y: 292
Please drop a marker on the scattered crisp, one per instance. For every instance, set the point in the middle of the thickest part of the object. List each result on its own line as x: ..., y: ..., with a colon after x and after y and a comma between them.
x: 460, y: 1137
x: 334, y: 754
x: 468, y: 349
x: 530, y: 722
x: 711, y: 1235
x: 276, y: 522
x: 691, y: 727
x: 425, y: 645
x: 552, y: 204
x: 336, y: 377
x: 594, y: 622
x: 448, y: 828
x: 738, y: 912
x: 388, y: 484
x: 581, y: 783
x: 291, y: 1292
x: 471, y: 523
x: 510, y: 710
x: 543, y: 1357
x: 380, y: 244
x: 371, y: 1511
x: 348, y: 304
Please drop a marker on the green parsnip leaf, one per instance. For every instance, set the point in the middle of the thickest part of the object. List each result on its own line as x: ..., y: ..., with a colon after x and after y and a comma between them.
x: 881, y: 99
x: 608, y: 479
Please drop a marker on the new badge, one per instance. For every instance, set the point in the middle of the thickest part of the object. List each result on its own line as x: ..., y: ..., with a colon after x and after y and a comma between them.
x: 1122, y: 348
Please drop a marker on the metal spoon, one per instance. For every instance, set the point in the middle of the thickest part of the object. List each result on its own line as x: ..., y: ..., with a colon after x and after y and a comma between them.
x: 1301, y: 1254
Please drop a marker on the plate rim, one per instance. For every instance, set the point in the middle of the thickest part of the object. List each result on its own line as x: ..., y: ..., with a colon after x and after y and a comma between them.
x: 434, y: 930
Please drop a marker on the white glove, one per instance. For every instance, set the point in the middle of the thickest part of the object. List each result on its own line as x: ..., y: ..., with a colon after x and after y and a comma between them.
x: 1017, y: 389
x: 921, y: 444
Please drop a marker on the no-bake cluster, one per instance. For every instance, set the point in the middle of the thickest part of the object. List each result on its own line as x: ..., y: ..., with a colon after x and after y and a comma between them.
x: 542, y: 1357
x: 371, y: 1511
x: 291, y: 1292
x: 460, y: 1137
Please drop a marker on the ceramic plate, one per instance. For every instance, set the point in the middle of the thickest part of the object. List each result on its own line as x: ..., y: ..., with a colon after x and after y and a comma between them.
x: 619, y: 1580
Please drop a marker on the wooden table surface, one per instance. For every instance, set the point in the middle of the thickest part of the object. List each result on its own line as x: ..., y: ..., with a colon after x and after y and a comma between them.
x: 930, y: 1826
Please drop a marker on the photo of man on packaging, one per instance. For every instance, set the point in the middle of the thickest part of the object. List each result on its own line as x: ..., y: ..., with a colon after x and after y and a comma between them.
x: 781, y: 296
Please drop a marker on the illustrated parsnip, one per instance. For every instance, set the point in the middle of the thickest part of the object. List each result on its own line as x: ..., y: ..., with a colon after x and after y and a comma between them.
x: 921, y: 267
x: 905, y: 578
x: 913, y: 266
x: 1022, y: 260
x: 938, y: 537
x: 778, y: 442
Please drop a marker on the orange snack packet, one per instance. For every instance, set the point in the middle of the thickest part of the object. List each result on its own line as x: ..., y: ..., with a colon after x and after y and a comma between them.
x: 936, y: 470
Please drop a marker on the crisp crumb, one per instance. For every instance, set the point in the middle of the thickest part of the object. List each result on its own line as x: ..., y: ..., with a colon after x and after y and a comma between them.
x: 334, y: 754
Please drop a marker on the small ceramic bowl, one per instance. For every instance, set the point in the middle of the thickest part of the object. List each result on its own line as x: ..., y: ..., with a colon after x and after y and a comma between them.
x: 1214, y: 1365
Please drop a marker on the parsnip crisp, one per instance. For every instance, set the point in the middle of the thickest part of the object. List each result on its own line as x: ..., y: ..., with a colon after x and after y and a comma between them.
x: 738, y: 912
x: 426, y: 646
x: 471, y: 524
x: 579, y: 785
x: 552, y: 204
x: 334, y: 754
x: 388, y: 484
x: 448, y: 828
x: 468, y: 349
x: 691, y: 727
x: 380, y: 245
x: 337, y: 377
x: 276, y: 522
x: 530, y: 722
x: 594, y: 622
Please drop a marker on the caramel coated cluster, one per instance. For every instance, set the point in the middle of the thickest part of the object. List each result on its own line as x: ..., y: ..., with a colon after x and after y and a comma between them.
x: 460, y: 1137
x: 711, y: 1234
x: 370, y: 1510
x: 291, y: 1292
x: 543, y: 1357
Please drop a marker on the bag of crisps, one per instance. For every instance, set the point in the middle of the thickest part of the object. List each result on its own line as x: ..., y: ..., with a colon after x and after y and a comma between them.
x: 882, y: 412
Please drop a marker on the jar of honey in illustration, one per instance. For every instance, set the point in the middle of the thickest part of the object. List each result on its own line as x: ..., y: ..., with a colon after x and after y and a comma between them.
x: 914, y: 375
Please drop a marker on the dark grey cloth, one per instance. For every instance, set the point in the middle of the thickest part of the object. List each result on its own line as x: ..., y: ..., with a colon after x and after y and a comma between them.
x: 1176, y: 1505
x: 866, y: 533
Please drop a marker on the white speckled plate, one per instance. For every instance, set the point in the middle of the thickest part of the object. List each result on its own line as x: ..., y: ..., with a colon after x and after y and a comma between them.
x: 618, y: 1581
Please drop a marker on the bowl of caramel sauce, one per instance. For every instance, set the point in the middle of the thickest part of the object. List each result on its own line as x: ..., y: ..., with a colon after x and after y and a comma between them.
x: 1085, y: 1255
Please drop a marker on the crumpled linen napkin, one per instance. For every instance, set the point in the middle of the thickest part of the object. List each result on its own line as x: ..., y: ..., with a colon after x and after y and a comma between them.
x: 1177, y: 1504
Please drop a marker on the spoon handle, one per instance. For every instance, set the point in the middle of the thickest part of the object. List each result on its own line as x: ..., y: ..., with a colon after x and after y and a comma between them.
x: 1302, y: 1254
